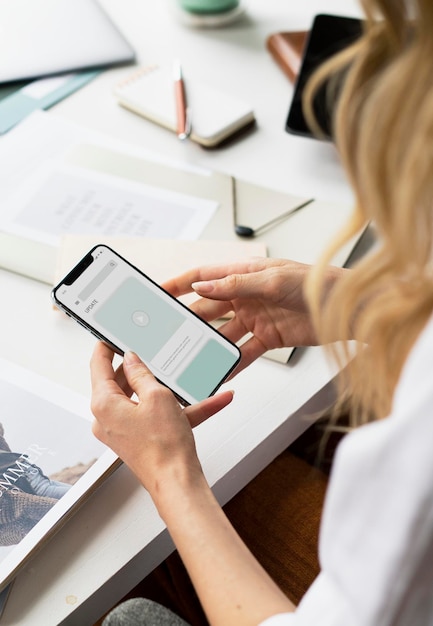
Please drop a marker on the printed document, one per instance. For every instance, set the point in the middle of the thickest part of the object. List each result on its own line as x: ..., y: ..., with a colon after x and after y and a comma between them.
x: 44, y: 197
x: 62, y: 199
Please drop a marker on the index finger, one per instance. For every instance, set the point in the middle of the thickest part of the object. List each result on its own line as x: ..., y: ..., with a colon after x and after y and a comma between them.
x: 181, y: 285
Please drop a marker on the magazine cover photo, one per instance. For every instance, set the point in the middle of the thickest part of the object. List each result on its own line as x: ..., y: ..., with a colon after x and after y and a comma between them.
x: 49, y: 459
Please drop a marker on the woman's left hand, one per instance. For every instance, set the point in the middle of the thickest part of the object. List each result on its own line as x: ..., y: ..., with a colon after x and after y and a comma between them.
x: 152, y: 434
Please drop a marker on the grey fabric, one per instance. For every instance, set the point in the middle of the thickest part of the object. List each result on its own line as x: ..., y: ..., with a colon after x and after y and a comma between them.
x: 142, y: 612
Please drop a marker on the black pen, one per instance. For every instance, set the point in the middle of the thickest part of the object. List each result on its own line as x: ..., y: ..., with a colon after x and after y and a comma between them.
x: 182, y: 112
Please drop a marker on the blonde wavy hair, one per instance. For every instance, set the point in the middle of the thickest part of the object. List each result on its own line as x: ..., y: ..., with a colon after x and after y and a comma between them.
x: 383, y: 129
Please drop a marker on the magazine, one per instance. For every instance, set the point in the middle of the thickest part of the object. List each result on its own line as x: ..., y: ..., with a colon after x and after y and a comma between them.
x: 50, y: 462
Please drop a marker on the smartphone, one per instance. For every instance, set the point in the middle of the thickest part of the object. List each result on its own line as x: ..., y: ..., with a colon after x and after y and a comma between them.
x: 126, y: 309
x: 329, y: 34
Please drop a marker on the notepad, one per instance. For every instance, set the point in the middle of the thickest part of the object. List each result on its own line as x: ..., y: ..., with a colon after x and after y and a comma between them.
x: 215, y: 115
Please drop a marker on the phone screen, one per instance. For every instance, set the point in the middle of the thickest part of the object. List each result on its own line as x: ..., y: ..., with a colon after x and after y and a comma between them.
x: 124, y: 307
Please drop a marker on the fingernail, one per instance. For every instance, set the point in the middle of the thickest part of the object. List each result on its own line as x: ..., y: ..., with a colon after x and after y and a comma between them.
x: 203, y: 286
x: 130, y: 358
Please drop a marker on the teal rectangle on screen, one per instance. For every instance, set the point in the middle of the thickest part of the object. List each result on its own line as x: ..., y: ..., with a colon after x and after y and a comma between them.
x: 210, y: 365
x: 133, y: 297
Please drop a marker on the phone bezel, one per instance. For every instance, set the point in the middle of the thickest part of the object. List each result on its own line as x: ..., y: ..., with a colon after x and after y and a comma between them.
x: 83, y: 265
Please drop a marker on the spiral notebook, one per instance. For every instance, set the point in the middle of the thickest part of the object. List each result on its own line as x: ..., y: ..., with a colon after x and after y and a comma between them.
x: 215, y: 115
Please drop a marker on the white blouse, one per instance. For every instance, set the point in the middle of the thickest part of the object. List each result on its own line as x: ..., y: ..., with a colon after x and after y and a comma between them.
x: 376, y: 539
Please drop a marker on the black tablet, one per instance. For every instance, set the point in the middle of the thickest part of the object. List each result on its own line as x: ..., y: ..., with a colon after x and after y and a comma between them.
x: 328, y: 35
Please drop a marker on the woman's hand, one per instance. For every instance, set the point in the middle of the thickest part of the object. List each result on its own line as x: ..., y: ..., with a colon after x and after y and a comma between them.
x: 262, y: 297
x: 152, y: 435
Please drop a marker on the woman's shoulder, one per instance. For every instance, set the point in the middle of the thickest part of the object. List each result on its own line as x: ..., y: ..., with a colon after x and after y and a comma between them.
x: 399, y: 444
x: 415, y: 384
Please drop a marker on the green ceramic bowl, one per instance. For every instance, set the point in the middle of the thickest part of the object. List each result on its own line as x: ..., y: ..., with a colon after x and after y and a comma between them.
x: 206, y: 7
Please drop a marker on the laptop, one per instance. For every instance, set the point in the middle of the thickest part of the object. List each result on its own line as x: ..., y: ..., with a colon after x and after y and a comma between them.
x: 45, y: 37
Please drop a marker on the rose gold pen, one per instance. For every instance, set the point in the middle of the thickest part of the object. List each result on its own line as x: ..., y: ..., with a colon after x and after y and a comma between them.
x: 182, y: 111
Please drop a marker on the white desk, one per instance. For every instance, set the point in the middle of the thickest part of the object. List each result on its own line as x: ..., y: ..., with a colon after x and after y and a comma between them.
x: 117, y: 537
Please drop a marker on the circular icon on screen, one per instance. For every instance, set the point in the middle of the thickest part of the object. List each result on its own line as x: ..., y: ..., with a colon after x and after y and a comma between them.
x: 140, y: 318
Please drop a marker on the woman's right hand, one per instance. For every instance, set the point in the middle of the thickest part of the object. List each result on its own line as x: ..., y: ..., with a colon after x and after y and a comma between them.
x: 262, y: 297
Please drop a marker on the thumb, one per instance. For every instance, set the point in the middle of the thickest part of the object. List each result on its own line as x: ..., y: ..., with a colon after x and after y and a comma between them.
x: 137, y: 374
x: 198, y: 413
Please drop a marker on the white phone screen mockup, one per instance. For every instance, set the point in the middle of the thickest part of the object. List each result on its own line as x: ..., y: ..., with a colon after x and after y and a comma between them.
x: 123, y: 307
